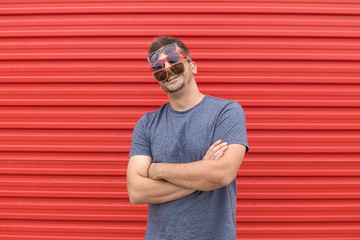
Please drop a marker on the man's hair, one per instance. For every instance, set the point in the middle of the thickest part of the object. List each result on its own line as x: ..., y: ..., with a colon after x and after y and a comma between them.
x: 162, y: 41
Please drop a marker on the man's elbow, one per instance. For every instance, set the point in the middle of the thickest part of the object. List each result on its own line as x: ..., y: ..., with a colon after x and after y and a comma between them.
x: 225, y: 175
x: 134, y: 196
x: 219, y: 178
x: 225, y: 179
x: 136, y: 199
x: 133, y: 199
x: 227, y: 169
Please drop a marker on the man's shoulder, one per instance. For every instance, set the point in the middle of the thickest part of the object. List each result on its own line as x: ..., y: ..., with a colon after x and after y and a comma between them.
x: 223, y: 103
x: 149, y: 116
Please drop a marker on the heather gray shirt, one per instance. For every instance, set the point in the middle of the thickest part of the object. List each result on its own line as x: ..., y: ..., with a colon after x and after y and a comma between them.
x: 171, y: 136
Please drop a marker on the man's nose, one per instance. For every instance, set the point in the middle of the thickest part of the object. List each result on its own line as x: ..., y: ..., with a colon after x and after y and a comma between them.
x: 162, y: 56
x: 166, y: 64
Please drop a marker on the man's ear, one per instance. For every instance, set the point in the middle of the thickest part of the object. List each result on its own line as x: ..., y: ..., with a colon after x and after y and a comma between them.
x: 193, y: 67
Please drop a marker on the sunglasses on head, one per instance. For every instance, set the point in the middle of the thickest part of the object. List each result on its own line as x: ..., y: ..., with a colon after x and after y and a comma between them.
x: 175, y: 69
x: 166, y: 50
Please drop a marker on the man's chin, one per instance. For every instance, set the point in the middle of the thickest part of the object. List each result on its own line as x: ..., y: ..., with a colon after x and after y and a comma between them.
x: 173, y: 89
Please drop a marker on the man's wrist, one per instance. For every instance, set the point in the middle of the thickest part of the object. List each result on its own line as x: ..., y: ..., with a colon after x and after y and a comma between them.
x: 154, y: 171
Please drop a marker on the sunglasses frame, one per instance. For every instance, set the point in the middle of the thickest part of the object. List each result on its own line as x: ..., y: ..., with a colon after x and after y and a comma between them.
x: 182, y: 61
x: 161, y: 50
x: 165, y: 60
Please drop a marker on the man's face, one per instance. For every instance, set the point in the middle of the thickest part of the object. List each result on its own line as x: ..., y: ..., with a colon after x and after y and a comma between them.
x: 175, y: 83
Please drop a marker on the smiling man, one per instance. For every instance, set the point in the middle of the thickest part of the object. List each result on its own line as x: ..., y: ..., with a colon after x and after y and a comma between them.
x: 185, y: 156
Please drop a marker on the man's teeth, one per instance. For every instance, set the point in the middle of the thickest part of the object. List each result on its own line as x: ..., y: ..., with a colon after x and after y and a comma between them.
x: 171, y: 78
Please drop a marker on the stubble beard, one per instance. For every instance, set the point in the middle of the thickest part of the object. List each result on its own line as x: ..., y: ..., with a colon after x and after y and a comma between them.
x: 176, y: 88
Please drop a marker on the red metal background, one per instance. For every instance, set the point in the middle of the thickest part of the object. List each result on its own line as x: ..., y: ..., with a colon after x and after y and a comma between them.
x: 74, y: 81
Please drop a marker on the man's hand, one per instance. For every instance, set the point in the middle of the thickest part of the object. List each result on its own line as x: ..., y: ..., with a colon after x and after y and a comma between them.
x: 215, y: 152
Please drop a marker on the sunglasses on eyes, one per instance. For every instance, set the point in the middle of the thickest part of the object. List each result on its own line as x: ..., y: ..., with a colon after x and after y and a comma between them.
x: 175, y: 69
x: 171, y: 59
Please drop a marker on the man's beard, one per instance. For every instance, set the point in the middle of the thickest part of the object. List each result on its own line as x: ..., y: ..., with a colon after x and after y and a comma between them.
x: 178, y: 88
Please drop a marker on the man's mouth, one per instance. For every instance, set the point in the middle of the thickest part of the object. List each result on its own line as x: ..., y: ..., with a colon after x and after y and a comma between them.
x: 172, y: 78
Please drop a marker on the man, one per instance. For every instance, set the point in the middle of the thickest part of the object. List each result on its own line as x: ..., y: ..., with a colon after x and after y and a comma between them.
x: 184, y: 156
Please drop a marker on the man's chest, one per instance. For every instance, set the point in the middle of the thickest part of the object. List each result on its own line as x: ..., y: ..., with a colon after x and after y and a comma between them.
x: 181, y: 140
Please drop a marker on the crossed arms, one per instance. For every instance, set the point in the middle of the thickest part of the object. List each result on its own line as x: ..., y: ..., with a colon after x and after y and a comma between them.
x: 163, y: 182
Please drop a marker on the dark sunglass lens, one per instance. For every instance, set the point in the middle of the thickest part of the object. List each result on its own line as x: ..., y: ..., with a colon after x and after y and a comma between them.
x: 173, y: 58
x: 157, y: 65
x: 177, y: 68
x: 160, y: 75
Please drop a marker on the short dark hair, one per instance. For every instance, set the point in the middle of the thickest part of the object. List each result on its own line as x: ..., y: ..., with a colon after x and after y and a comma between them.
x: 162, y: 41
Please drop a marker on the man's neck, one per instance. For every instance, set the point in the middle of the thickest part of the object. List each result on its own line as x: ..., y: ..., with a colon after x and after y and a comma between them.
x: 184, y: 100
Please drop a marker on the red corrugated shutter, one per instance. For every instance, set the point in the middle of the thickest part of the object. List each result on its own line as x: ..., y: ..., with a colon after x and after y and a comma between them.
x: 74, y: 81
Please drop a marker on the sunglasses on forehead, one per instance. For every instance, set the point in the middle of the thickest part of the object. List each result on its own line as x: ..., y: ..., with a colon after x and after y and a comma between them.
x: 166, y: 50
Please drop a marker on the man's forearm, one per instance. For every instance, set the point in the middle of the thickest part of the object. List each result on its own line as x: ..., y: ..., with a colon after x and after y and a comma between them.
x: 204, y: 175
x: 146, y: 190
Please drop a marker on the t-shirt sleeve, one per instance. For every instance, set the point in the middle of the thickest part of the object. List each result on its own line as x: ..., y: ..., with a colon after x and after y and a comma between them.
x: 140, y: 144
x: 231, y: 125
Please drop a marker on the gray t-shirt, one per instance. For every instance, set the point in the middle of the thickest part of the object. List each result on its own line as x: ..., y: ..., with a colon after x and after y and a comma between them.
x: 179, y: 137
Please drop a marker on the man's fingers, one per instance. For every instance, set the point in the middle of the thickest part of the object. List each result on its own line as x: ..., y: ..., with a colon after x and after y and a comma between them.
x: 219, y: 146
x: 219, y: 155
x: 220, y: 152
x: 210, y: 151
x: 215, y: 150
x: 224, y: 148
x: 215, y: 144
